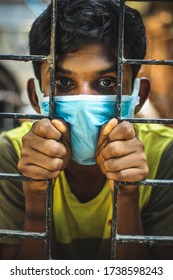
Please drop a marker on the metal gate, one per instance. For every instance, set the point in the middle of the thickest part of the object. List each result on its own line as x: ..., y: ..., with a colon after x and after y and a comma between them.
x: 46, y: 236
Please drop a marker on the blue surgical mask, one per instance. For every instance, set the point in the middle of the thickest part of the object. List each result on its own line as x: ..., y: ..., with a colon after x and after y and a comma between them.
x: 86, y: 114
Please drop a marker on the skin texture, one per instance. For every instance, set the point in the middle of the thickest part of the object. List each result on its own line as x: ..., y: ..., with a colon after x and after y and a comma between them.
x: 46, y: 150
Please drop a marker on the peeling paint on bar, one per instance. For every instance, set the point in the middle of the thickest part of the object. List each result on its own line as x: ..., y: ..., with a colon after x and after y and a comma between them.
x: 23, y: 57
x: 21, y: 234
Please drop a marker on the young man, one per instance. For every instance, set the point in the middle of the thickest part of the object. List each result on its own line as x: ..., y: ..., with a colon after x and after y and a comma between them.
x: 84, y: 148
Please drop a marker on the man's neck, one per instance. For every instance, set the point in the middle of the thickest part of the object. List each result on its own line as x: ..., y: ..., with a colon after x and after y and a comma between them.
x: 85, y: 181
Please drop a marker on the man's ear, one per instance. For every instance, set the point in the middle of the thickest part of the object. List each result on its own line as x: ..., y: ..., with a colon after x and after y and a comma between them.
x: 143, y: 93
x: 32, y: 95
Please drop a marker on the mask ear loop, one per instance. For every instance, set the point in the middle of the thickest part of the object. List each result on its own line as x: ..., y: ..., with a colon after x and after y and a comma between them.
x: 38, y: 91
x: 135, y: 97
x: 136, y: 87
x: 39, y: 94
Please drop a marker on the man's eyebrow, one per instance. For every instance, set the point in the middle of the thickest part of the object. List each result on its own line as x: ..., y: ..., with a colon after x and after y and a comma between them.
x: 113, y: 68
x: 62, y: 70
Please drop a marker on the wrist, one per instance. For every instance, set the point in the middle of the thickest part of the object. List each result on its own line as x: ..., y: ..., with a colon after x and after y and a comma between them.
x: 129, y: 190
x: 35, y: 200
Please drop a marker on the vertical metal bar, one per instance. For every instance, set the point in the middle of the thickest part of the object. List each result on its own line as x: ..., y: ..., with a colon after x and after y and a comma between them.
x: 120, y: 58
x: 52, y: 63
x: 51, y: 60
x: 49, y: 207
x: 118, y: 116
x: 114, y: 222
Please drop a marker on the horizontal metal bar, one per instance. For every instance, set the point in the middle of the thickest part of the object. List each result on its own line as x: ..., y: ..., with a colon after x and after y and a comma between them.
x: 21, y: 116
x: 23, y: 57
x: 22, y: 234
x: 38, y: 116
x: 144, y: 239
x: 148, y: 61
x: 145, y: 120
x: 16, y: 176
x: 147, y: 182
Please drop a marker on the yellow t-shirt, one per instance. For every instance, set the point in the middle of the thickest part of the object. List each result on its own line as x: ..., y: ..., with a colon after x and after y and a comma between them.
x: 83, y: 229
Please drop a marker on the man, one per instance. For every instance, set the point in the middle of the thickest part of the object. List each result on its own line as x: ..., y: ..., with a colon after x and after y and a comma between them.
x: 84, y: 148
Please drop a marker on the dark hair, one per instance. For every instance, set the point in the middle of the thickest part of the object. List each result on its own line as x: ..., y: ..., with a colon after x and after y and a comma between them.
x: 82, y: 22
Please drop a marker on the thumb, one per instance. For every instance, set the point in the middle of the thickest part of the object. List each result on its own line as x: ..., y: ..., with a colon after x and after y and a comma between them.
x: 63, y: 127
x: 60, y: 125
x: 105, y: 131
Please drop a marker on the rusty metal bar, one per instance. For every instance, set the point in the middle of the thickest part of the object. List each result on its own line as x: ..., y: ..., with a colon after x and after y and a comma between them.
x: 22, y: 234
x: 23, y: 57
x: 21, y: 116
x: 147, y: 182
x: 145, y: 239
x: 114, y: 222
x: 52, y: 62
x: 163, y: 183
x: 118, y: 116
x: 148, y: 61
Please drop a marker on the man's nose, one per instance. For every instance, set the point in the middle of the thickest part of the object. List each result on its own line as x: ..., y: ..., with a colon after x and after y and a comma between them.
x: 86, y: 88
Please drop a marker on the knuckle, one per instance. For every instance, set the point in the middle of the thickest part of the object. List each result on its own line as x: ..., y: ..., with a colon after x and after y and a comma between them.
x: 56, y: 149
x: 139, y: 145
x: 112, y: 165
x: 145, y: 171
x: 43, y: 129
x: 111, y: 150
x: 128, y: 129
x: 53, y: 149
x: 26, y: 139
x: 56, y: 164
x: 121, y: 176
x: 22, y: 168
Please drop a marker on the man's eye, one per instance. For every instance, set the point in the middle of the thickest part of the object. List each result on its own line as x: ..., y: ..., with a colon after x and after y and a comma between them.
x: 65, y: 82
x: 106, y: 83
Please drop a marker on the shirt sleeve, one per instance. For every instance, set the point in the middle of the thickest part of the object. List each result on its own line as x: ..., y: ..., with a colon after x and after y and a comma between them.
x: 157, y: 216
x: 11, y: 193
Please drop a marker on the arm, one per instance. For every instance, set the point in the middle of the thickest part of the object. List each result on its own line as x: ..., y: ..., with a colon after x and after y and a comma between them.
x: 43, y: 157
x: 11, y: 199
x: 121, y: 157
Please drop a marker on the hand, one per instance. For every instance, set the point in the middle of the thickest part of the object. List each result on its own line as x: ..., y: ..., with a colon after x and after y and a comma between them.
x: 45, y: 150
x: 120, y: 154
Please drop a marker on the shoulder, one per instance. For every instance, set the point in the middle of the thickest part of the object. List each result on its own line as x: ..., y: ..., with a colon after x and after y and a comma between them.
x: 20, y: 131
x: 156, y: 138
x: 12, y: 139
x: 147, y: 131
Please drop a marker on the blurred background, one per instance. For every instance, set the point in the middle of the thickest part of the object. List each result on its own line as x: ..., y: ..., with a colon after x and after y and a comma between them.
x: 16, y: 17
x: 158, y: 18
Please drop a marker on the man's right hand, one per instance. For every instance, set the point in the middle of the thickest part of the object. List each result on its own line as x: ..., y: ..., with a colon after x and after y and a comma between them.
x: 45, y: 150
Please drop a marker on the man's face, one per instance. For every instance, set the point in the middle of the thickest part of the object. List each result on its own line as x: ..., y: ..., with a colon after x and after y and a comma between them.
x: 87, y: 71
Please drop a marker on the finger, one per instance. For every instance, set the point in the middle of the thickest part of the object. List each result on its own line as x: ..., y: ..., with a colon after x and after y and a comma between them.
x: 135, y: 160
x: 60, y: 125
x: 38, y: 159
x: 108, y: 127
x: 104, y: 132
x: 122, y: 131
x: 44, y: 128
x: 37, y: 172
x: 111, y: 184
x: 63, y: 127
x: 121, y: 148
x: 48, y: 147
x: 127, y: 175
